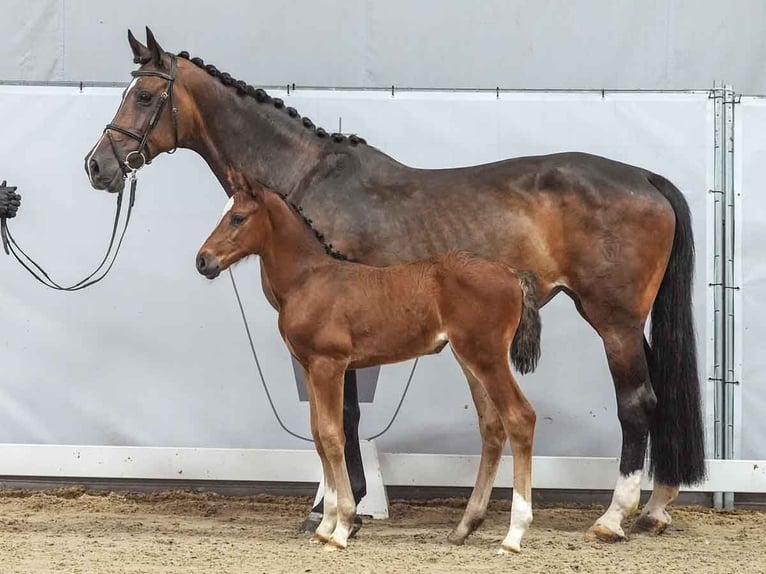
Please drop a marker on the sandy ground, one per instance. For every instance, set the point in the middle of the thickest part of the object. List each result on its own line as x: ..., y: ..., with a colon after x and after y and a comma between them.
x: 70, y: 530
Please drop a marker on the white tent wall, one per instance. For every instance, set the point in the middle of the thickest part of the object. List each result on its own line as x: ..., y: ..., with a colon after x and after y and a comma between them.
x: 156, y: 355
x: 646, y: 44
x: 750, y: 394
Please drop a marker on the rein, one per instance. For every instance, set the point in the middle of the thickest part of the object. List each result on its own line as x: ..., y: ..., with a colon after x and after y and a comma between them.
x: 129, y: 169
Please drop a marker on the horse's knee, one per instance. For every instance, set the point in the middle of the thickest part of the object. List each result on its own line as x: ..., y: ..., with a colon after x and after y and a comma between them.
x: 492, y: 432
x: 333, y: 442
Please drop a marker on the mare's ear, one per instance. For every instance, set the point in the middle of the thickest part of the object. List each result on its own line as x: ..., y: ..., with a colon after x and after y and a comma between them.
x: 141, y: 54
x: 154, y: 48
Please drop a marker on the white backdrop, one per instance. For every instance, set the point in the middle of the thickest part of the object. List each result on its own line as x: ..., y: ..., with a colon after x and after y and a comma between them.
x: 156, y: 355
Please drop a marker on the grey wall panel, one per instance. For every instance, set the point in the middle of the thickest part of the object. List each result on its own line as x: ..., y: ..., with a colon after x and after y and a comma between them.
x: 751, y: 151
x: 156, y: 356
x: 32, y: 39
x: 647, y: 44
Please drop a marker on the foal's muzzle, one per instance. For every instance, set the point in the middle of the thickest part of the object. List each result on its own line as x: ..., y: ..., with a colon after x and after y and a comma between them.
x: 208, y: 264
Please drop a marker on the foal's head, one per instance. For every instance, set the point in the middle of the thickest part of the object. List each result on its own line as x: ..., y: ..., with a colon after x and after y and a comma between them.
x: 241, y: 232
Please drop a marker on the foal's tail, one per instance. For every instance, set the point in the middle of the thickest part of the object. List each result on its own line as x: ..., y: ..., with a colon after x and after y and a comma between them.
x: 525, y: 350
x: 677, y: 435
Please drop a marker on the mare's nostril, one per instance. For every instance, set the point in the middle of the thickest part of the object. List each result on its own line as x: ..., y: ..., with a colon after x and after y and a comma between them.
x: 201, y: 263
x: 93, y: 164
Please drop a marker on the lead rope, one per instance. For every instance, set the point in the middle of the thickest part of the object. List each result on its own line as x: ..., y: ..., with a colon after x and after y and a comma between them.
x: 36, y: 270
x: 266, y: 388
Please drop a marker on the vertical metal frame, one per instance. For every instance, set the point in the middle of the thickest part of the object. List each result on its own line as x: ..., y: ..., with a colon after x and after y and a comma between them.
x: 724, y: 286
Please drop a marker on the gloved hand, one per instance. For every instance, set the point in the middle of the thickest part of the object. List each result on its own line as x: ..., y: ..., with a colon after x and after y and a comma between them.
x: 9, y: 200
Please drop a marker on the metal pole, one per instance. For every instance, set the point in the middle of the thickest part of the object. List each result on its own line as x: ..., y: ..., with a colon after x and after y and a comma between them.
x: 717, y: 284
x: 728, y: 284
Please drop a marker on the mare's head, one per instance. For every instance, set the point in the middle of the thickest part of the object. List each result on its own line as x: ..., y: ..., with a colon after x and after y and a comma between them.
x: 148, y: 121
x: 240, y: 232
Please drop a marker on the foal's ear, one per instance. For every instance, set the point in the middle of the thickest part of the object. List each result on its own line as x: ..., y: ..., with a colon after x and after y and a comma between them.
x: 141, y: 54
x: 154, y: 48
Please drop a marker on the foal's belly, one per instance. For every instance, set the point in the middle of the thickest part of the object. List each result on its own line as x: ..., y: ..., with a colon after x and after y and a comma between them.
x: 396, y: 331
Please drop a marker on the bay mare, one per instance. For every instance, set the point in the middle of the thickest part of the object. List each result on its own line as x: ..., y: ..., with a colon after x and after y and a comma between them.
x: 616, y: 238
x: 335, y: 315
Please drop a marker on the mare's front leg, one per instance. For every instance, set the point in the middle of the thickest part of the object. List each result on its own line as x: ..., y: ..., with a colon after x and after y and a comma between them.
x: 326, y: 382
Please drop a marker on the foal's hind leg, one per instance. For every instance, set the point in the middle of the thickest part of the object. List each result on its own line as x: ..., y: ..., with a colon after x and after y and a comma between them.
x: 492, y: 442
x: 518, y: 417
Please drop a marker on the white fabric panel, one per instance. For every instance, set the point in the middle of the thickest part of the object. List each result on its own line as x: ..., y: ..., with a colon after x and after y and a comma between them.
x: 751, y: 159
x: 647, y: 44
x: 32, y: 39
x: 156, y: 355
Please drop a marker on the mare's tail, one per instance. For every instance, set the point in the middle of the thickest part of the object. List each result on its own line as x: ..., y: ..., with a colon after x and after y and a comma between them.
x: 676, y: 431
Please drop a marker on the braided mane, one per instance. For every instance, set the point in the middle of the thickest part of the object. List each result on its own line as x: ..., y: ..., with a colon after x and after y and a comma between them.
x: 262, y: 97
x: 329, y: 249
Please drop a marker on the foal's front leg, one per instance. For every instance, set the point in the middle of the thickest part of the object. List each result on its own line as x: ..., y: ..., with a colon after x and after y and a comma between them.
x: 326, y: 382
x: 326, y: 525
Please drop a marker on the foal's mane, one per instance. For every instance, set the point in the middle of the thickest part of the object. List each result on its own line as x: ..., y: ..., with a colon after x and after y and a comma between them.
x: 298, y: 210
x: 260, y: 96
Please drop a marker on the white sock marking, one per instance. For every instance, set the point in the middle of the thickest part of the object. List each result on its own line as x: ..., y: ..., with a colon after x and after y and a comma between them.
x: 624, y: 501
x: 521, y: 518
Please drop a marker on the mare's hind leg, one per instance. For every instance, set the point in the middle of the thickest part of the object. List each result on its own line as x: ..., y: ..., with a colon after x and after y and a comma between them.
x: 624, y: 346
x: 492, y: 442
x: 490, y: 366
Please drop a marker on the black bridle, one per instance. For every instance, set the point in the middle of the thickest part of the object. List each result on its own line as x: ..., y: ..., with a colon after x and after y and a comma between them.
x: 166, y: 97
x: 129, y: 170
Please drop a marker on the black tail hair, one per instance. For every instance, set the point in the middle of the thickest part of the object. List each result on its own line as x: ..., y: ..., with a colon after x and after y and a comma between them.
x: 525, y: 350
x: 677, y: 434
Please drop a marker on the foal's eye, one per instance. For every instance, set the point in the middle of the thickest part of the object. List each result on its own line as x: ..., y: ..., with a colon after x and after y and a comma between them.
x: 144, y: 97
x: 237, y: 219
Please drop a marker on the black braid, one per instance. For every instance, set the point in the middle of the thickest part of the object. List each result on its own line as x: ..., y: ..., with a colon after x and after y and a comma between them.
x: 261, y: 96
x: 329, y: 249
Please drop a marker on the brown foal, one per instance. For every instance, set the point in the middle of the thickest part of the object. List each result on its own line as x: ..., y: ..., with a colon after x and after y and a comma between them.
x: 336, y: 315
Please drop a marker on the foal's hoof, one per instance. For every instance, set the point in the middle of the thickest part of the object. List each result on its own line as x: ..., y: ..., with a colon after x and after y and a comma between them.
x: 456, y: 538
x: 506, y: 548
x: 333, y: 546
x: 599, y: 532
x: 318, y: 539
x: 311, y: 523
x: 647, y: 524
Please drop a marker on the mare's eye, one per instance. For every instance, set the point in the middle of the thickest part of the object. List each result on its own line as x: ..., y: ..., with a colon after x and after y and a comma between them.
x: 237, y: 219
x: 144, y: 97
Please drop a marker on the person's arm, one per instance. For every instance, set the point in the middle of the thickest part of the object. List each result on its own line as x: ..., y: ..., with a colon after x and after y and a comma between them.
x: 9, y: 200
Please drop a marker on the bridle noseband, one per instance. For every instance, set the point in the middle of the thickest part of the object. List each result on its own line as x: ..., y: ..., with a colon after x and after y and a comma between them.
x: 165, y: 97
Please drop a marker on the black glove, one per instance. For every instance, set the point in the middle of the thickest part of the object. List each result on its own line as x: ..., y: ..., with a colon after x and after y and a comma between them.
x: 9, y: 201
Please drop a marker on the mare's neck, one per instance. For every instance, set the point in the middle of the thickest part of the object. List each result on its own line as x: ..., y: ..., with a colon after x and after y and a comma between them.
x: 245, y: 141
x: 291, y: 251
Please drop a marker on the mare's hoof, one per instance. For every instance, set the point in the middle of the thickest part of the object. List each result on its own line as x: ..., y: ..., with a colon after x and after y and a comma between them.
x: 649, y: 525
x: 311, y: 523
x: 356, y: 527
x: 600, y: 533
